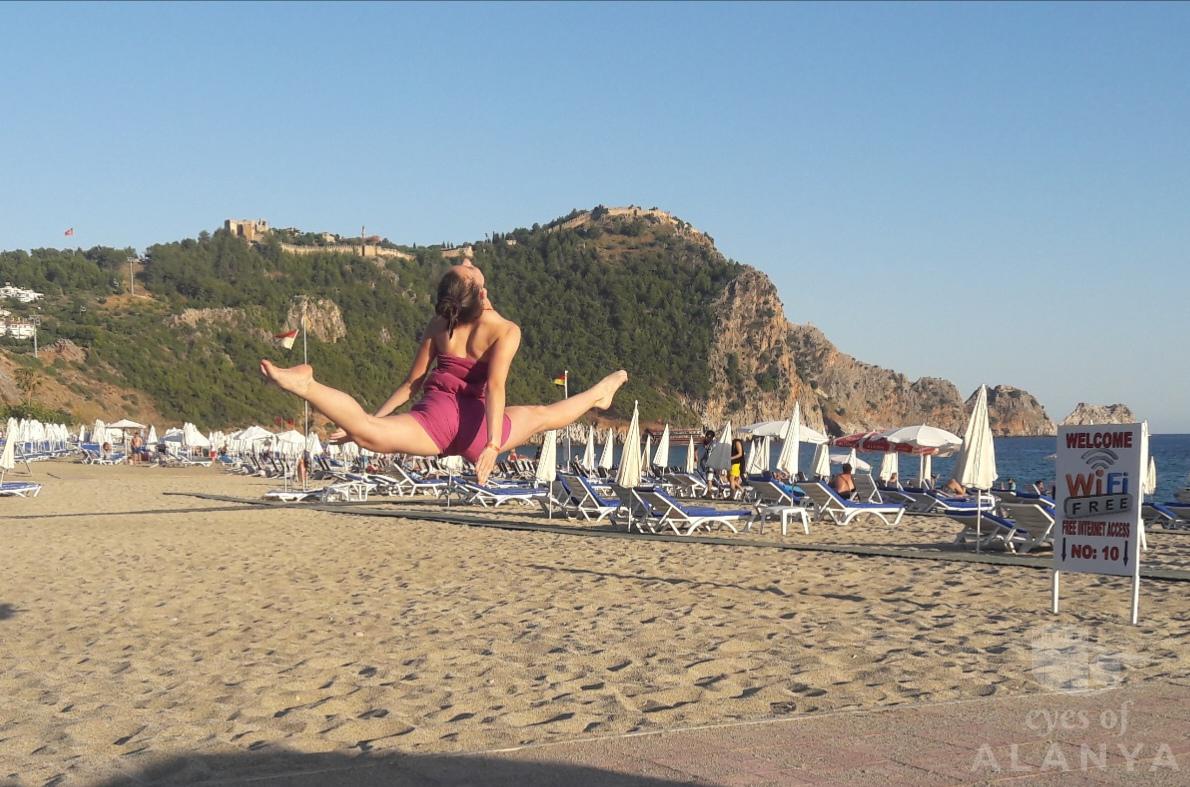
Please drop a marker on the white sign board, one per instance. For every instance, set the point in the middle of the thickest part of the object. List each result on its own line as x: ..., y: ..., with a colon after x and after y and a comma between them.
x: 1100, y: 480
x: 1099, y: 475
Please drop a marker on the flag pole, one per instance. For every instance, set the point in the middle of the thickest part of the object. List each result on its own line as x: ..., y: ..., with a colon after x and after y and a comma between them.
x: 566, y: 395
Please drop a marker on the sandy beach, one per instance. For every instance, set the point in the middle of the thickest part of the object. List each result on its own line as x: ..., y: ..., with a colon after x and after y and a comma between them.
x: 140, y: 629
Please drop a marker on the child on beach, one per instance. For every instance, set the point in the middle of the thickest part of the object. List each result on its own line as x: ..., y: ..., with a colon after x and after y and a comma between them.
x: 461, y: 410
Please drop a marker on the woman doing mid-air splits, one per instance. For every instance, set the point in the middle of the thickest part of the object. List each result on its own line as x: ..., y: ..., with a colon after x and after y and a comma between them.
x: 462, y: 401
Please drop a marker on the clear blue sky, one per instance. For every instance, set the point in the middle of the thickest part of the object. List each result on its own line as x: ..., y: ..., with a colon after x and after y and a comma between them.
x: 988, y: 193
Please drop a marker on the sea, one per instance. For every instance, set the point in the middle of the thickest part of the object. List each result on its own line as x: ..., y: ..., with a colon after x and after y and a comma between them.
x: 1024, y: 459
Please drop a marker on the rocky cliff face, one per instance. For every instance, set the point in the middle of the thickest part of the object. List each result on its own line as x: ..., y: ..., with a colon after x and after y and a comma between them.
x: 1092, y: 414
x: 761, y: 363
x: 1012, y: 411
x: 754, y: 374
x: 324, y: 319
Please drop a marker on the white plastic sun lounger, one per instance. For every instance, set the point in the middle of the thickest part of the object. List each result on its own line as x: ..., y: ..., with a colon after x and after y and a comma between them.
x: 589, y: 504
x: 673, y: 514
x: 828, y: 503
x: 496, y: 496
x: 19, y: 489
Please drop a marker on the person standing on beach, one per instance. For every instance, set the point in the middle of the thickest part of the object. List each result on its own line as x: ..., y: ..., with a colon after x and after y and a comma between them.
x: 737, y: 466
x: 461, y: 410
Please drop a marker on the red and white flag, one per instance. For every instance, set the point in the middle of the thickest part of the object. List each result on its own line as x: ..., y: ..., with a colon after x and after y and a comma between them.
x: 286, y: 339
x: 69, y: 232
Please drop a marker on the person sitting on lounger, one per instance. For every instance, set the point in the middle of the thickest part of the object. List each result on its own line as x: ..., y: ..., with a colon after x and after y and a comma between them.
x: 1039, y: 487
x: 893, y: 481
x: 843, y: 483
x: 105, y: 451
x: 461, y: 410
x: 954, y: 487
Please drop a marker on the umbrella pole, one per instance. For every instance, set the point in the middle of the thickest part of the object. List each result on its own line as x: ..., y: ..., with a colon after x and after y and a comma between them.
x: 978, y: 521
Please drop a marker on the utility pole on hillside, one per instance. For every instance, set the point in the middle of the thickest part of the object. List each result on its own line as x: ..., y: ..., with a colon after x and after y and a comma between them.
x: 131, y: 278
x: 361, y: 240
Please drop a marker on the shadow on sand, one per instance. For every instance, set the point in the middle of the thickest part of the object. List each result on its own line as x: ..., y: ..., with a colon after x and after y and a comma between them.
x: 283, y: 767
x: 7, y: 611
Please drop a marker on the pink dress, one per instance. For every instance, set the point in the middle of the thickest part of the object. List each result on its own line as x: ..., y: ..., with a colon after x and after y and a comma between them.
x: 453, y: 409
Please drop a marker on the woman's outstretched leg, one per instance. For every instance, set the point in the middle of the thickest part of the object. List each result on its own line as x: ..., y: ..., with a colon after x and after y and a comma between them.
x: 528, y: 421
x: 390, y: 434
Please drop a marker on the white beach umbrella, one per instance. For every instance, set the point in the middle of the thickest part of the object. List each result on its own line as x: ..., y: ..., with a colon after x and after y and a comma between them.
x: 888, y: 466
x: 976, y: 463
x: 758, y: 455
x: 924, y: 437
x: 645, y: 455
x: 313, y: 444
x: 661, y: 455
x: 124, y: 423
x: 630, y: 470
x: 81, y: 434
x: 822, y: 461
x: 851, y: 459
x: 607, y: 459
x: 290, y: 442
x: 781, y: 428
x: 925, y: 470
x: 691, y: 457
x: 791, y: 438
x: 588, y: 451
x: 152, y: 438
x: 8, y: 456
x: 547, y: 460
x: 720, y: 458
x: 99, y: 432
x: 1148, y: 484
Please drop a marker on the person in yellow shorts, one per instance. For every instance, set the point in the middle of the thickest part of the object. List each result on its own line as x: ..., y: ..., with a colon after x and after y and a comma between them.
x: 737, y: 467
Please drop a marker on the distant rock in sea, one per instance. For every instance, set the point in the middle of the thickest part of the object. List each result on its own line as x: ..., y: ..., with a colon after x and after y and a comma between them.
x: 1092, y: 414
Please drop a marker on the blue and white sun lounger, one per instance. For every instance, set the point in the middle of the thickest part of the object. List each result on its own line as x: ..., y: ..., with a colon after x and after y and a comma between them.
x: 669, y: 512
x: 828, y: 503
x: 19, y: 489
x: 496, y: 496
x: 588, y: 502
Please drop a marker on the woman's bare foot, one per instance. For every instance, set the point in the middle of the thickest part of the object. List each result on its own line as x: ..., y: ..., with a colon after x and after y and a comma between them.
x: 295, y: 379
x: 607, y: 388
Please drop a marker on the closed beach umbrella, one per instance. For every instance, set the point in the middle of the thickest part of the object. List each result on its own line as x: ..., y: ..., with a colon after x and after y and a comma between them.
x: 81, y: 435
x: 8, y: 456
x: 691, y: 457
x: 822, y: 461
x: 607, y: 458
x: 588, y: 460
x: 313, y: 444
x: 661, y: 455
x: 790, y: 440
x: 645, y: 455
x: 888, y: 466
x: 152, y: 438
x: 630, y: 472
x: 1148, y: 484
x: 925, y: 468
x: 976, y: 464
x: 99, y: 432
x: 758, y: 456
x: 720, y: 458
x: 547, y: 460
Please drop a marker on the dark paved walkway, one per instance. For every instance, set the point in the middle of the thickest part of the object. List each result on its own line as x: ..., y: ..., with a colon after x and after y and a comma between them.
x: 1137, y: 734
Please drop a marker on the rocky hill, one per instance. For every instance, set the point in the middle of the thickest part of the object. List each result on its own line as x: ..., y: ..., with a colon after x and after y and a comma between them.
x: 1092, y: 414
x: 706, y: 339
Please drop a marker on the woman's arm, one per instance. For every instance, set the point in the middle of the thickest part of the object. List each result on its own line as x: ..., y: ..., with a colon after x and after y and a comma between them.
x: 413, y: 383
x: 502, y: 353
